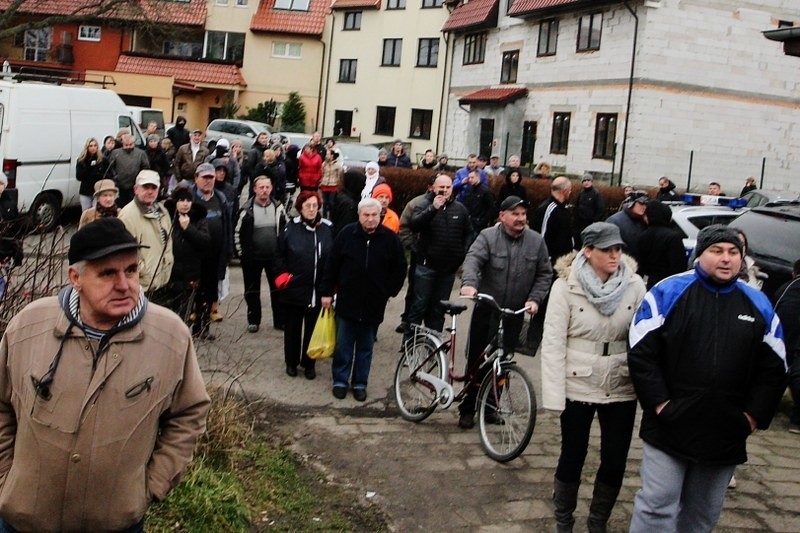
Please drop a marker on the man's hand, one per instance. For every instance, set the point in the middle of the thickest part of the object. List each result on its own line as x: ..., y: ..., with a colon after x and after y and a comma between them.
x: 327, y: 302
x: 468, y: 291
x: 532, y: 306
x: 660, y: 407
x: 439, y: 201
x: 751, y: 420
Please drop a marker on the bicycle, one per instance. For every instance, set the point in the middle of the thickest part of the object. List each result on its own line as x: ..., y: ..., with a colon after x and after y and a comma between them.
x: 506, y: 399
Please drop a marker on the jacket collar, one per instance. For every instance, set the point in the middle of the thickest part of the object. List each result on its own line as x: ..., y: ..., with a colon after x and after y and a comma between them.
x: 710, y: 284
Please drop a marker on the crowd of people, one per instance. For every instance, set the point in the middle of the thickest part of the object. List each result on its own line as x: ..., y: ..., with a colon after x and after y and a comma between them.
x: 624, y: 316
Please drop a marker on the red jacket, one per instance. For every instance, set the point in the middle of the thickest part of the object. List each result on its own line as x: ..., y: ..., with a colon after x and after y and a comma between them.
x: 309, y: 172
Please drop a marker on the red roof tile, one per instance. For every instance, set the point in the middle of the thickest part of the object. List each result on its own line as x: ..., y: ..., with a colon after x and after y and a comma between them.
x: 182, y: 70
x: 472, y: 14
x: 344, y: 4
x: 530, y: 7
x: 493, y: 96
x: 310, y: 22
x: 189, y: 13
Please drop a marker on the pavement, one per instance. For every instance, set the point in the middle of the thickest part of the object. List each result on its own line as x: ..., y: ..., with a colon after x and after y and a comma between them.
x: 434, y: 476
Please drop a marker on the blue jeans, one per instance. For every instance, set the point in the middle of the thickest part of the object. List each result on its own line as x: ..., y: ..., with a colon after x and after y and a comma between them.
x: 354, y: 343
x: 678, y: 495
x: 430, y: 287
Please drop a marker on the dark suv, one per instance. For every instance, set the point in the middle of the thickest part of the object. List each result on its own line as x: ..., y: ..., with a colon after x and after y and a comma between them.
x: 773, y: 235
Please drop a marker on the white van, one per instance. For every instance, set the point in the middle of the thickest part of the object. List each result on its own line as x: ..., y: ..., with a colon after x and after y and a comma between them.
x: 43, y: 128
x: 143, y: 115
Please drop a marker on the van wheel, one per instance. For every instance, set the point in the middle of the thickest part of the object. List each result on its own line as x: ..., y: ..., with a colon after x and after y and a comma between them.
x: 45, y: 211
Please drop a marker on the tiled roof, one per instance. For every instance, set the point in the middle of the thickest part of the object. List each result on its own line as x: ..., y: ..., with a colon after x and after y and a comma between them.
x: 184, y: 70
x: 344, y: 4
x: 493, y: 96
x: 189, y: 13
x: 310, y: 22
x: 472, y: 14
x: 531, y: 7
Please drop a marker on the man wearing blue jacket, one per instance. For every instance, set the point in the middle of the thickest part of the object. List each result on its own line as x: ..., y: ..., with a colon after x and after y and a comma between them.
x: 708, y: 363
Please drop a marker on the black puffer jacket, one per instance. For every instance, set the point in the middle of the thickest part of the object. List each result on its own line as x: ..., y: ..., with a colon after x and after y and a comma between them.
x: 667, y: 194
x: 589, y: 208
x: 661, y: 251
x: 302, y: 251
x: 444, y: 234
x: 188, y: 245
x: 511, y: 189
x: 89, y: 171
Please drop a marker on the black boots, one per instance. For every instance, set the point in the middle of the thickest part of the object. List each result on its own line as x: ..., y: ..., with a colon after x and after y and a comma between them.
x: 565, y: 498
x: 603, y: 499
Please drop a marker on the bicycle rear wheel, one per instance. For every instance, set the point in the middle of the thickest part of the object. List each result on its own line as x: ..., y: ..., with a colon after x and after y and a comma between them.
x: 506, y: 413
x: 417, y: 400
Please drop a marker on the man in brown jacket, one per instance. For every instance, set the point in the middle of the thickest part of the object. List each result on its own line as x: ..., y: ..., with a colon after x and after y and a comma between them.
x: 101, y: 397
x: 189, y: 156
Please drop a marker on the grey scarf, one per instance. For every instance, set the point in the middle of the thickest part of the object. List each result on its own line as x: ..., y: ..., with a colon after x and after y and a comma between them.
x: 604, y: 296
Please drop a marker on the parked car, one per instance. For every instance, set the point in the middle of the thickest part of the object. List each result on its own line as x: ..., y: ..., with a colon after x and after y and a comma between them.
x: 773, y: 235
x: 357, y: 155
x: 760, y: 197
x: 231, y: 129
x: 300, y: 139
x: 688, y: 220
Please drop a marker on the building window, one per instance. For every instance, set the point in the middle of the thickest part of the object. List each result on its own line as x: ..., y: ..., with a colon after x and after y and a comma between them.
x: 589, y: 29
x: 391, y: 52
x: 508, y: 71
x: 241, y: 3
x: 605, y: 136
x: 395, y: 4
x: 428, y: 53
x: 38, y: 43
x: 224, y: 45
x: 89, y: 33
x: 548, y: 35
x: 474, y: 48
x: 560, y: 140
x: 421, y: 120
x: 347, y: 70
x: 287, y: 50
x: 222, y: 2
x: 292, y: 5
x: 342, y: 122
x: 183, y: 49
x: 384, y: 121
x: 431, y: 3
x: 352, y: 20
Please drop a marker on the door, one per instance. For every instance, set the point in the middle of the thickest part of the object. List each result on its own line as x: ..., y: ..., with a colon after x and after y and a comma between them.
x: 528, y: 142
x: 487, y: 137
x: 214, y: 113
x: 342, y: 123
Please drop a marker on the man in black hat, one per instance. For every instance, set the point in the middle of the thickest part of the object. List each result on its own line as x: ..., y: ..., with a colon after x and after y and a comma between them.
x: 707, y: 360
x: 101, y: 396
x: 631, y: 221
x: 511, y: 263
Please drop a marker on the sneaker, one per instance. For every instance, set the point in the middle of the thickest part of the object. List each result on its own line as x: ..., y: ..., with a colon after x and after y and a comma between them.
x: 732, y: 482
x: 794, y: 428
x: 291, y: 371
x: 252, y: 328
x: 310, y: 373
x: 359, y: 395
x: 339, y: 392
x: 466, y: 421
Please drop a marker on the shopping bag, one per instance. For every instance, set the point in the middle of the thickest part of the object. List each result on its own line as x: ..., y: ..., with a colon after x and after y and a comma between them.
x: 323, y: 338
x: 224, y: 285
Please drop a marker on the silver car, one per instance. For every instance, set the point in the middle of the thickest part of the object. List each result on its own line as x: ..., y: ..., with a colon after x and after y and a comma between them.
x: 231, y: 129
x: 688, y: 220
x: 356, y: 155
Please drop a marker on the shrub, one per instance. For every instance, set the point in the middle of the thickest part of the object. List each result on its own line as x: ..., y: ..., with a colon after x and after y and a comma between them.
x: 293, y: 114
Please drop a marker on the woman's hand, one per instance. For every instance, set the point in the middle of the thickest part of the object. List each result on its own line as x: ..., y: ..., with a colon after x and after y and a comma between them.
x: 326, y: 302
x: 184, y: 220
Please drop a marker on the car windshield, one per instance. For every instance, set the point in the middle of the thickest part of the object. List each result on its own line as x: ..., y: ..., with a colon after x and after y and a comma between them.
x: 359, y: 152
x: 775, y: 237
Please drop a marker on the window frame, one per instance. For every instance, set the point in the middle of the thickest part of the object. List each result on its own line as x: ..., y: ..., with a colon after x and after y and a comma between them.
x: 221, y: 3
x: 397, y: 52
x: 474, y: 45
x: 605, y: 139
x: 286, y: 55
x: 509, y: 66
x: 551, y: 27
x: 560, y: 132
x: 40, y: 50
x: 588, y: 46
x: 356, y: 22
x: 351, y: 70
x: 226, y: 46
x: 432, y: 59
x: 432, y: 4
x: 425, y: 119
x: 98, y: 30
x: 291, y: 5
x: 389, y: 131
x: 242, y: 3
x: 392, y: 5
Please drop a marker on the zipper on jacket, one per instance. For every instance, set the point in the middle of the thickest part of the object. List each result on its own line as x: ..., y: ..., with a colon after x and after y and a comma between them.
x: 317, y: 253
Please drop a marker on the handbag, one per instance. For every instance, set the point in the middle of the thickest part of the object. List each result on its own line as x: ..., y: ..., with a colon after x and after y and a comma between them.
x: 323, y: 338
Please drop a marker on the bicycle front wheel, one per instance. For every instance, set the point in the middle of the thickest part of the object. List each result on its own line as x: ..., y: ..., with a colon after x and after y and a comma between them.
x: 415, y: 399
x: 506, y: 413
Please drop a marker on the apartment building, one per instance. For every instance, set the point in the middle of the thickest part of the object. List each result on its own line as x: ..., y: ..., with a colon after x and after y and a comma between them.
x: 690, y: 89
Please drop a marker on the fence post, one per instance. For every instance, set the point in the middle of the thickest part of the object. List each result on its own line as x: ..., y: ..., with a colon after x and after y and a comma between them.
x: 689, y: 179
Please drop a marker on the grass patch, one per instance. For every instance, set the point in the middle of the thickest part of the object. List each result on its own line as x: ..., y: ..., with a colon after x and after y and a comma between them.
x: 243, y: 481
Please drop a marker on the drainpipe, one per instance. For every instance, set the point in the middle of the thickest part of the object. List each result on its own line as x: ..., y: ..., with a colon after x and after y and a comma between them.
x: 329, y: 50
x: 443, y: 99
x: 630, y: 90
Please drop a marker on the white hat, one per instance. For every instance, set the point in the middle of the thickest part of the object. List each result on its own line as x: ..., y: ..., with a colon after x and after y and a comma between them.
x: 224, y: 142
x: 146, y: 177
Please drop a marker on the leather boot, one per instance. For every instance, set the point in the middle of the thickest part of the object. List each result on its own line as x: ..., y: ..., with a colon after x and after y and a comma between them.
x: 565, y: 498
x: 216, y: 316
x: 604, y: 497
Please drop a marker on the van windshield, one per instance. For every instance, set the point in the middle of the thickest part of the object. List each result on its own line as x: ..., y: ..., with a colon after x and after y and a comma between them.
x: 127, y: 122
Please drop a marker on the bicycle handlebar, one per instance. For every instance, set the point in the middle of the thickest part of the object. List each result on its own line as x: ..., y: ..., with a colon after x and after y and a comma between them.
x: 488, y: 298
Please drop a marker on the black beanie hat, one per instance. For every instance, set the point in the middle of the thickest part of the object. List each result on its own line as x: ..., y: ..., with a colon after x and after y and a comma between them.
x: 717, y: 233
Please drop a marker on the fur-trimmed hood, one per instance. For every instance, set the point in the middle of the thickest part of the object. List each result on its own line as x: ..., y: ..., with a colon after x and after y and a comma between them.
x: 563, y: 266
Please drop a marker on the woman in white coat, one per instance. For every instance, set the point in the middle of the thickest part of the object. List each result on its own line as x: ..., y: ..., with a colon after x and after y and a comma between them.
x: 585, y: 368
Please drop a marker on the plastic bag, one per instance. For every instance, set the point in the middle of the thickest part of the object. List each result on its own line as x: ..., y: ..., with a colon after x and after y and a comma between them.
x: 224, y: 285
x: 323, y: 338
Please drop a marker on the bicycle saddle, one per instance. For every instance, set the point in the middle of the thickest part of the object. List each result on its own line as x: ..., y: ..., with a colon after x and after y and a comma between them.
x: 452, y: 308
